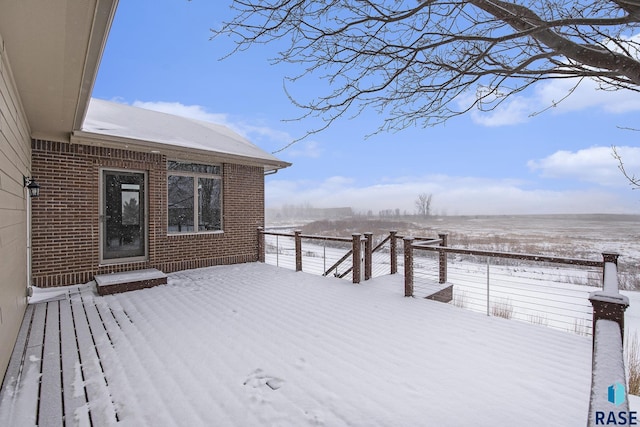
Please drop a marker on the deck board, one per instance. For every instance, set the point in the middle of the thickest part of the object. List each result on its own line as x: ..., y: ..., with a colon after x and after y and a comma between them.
x: 88, y: 357
x: 91, y: 336
x: 15, y: 362
x: 57, y: 349
x: 50, y: 409
x: 13, y: 376
x: 74, y: 396
x: 32, y: 371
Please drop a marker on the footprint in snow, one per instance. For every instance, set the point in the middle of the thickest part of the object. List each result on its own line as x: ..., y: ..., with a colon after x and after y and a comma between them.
x: 258, y: 378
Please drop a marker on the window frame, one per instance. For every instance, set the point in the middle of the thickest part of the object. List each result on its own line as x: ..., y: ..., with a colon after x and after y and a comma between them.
x: 196, y: 176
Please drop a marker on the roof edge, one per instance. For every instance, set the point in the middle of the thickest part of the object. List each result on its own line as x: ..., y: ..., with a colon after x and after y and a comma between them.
x: 172, y: 151
x: 104, y: 14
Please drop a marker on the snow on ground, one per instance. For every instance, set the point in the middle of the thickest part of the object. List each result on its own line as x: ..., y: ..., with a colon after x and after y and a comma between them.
x: 257, y: 345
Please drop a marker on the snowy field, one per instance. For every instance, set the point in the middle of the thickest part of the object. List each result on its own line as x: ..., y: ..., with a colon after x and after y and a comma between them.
x: 257, y: 345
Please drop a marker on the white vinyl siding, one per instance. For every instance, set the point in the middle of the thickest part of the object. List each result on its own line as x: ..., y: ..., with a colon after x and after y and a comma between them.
x: 15, y: 162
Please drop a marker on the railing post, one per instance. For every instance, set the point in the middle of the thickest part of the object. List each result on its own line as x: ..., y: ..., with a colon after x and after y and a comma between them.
x: 357, y: 270
x: 408, y: 267
x: 394, y: 252
x: 442, y: 259
x: 368, y: 256
x: 261, y: 245
x: 609, y: 303
x: 298, y: 244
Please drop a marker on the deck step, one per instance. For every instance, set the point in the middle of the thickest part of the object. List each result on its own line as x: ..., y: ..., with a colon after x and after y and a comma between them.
x: 129, y: 281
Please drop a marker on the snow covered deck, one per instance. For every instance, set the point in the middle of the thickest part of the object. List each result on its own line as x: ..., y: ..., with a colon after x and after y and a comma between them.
x: 257, y: 345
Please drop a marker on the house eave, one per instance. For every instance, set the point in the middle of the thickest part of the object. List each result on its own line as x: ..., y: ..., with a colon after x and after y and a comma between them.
x: 172, y: 151
x: 55, y: 49
x: 103, y: 18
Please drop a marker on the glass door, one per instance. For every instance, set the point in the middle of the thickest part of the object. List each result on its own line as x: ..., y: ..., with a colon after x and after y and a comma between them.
x: 123, y: 215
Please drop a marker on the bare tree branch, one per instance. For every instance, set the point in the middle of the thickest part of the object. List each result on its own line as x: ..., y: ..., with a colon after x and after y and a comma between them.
x: 421, y: 62
x: 633, y: 181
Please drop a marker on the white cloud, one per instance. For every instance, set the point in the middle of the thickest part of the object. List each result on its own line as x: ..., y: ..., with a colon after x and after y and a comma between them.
x: 305, y: 149
x: 587, y: 95
x: 551, y: 97
x: 514, y: 111
x: 595, y: 164
x: 451, y: 195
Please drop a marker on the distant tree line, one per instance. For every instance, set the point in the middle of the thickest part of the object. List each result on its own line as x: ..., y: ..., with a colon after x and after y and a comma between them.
x: 307, y: 211
x: 423, y: 205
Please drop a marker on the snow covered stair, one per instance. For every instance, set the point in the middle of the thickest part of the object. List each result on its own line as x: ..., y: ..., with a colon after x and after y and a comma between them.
x: 129, y: 281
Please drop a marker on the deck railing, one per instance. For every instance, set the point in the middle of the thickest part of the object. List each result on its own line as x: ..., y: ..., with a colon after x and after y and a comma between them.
x: 326, y: 255
x: 358, y: 257
x: 608, y: 404
x: 547, y: 290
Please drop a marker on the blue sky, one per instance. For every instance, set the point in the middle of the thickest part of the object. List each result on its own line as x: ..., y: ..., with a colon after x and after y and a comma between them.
x: 159, y: 56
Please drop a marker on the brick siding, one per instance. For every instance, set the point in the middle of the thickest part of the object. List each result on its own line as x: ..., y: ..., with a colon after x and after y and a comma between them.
x: 66, y: 228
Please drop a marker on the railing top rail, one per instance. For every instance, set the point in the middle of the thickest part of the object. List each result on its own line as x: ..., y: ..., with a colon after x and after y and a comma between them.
x: 275, y: 233
x: 512, y: 255
x: 329, y: 238
x: 419, y: 239
x: 313, y: 237
x: 430, y: 242
x: 608, y: 367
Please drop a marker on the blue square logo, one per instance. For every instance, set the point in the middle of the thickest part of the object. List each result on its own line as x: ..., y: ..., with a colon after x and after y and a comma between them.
x: 616, y: 394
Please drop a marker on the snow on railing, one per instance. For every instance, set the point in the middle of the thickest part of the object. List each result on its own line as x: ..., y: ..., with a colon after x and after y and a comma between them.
x: 608, y: 403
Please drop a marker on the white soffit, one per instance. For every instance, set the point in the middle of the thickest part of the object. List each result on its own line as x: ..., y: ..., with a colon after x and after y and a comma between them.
x: 54, y: 48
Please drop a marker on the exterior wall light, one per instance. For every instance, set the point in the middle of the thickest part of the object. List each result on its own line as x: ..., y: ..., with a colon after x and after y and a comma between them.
x: 32, y: 186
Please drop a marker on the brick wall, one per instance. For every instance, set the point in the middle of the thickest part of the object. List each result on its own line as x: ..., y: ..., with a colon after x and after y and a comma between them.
x: 66, y: 226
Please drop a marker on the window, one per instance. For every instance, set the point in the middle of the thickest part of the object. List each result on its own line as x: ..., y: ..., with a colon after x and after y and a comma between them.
x: 194, y: 197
